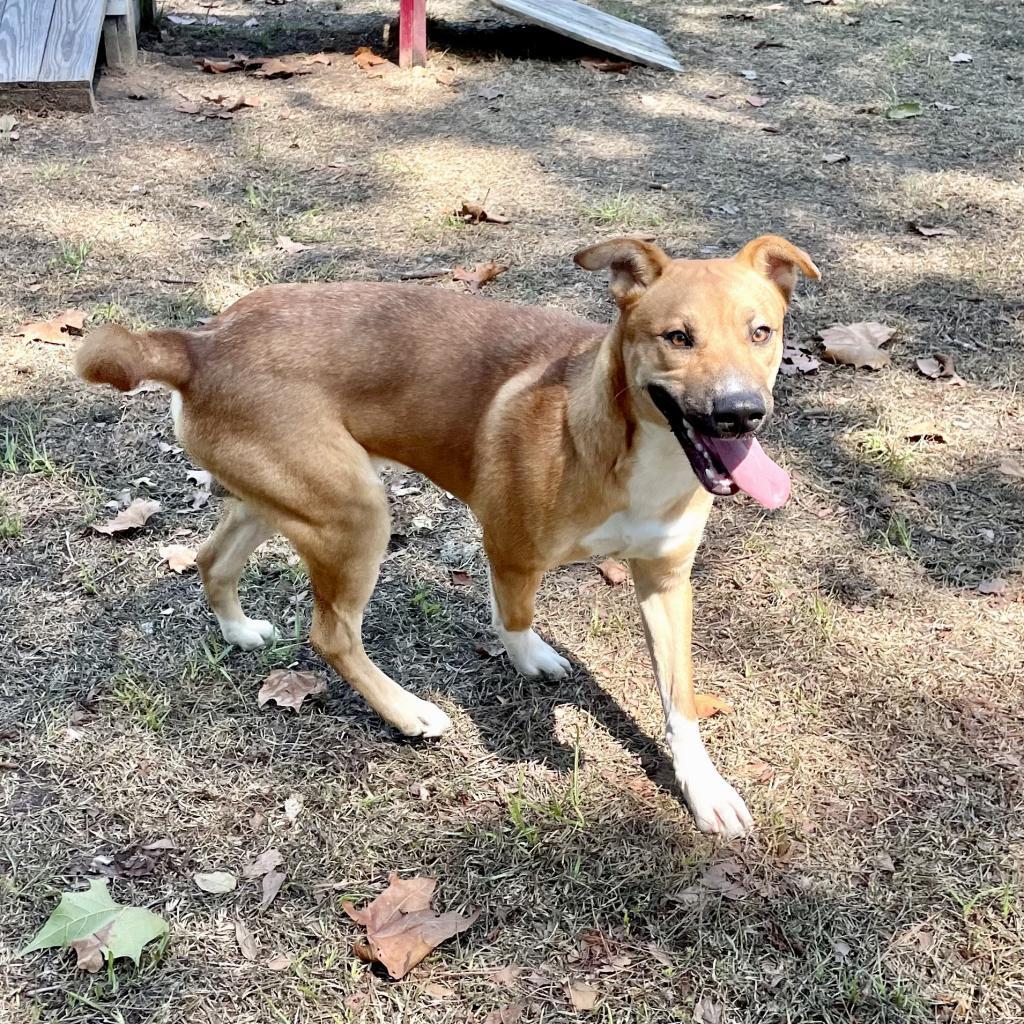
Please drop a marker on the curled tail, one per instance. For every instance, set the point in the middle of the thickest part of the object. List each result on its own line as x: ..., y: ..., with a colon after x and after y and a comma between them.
x: 113, y: 355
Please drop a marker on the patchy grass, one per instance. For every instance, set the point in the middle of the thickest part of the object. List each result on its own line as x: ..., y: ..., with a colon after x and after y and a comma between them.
x: 878, y: 727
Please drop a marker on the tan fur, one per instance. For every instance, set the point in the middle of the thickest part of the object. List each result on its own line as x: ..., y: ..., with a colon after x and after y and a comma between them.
x: 528, y: 415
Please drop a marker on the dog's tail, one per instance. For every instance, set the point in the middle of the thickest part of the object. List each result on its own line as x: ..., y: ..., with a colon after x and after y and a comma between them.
x: 122, y: 358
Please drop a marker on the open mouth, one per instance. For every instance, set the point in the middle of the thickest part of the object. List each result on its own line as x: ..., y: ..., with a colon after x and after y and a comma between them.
x: 725, y: 465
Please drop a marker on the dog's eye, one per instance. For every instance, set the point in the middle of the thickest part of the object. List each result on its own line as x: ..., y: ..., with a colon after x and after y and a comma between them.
x: 761, y: 334
x: 678, y: 339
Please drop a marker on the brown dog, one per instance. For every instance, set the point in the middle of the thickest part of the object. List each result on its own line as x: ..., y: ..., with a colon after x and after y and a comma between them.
x: 566, y: 438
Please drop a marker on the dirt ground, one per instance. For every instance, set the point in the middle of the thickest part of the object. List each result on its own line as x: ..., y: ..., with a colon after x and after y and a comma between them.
x: 879, y: 724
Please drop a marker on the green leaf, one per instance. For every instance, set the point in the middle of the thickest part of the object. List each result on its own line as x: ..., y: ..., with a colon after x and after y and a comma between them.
x: 80, y: 915
x: 901, y: 111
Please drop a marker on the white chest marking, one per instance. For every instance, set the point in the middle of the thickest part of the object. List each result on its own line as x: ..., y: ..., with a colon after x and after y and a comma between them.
x: 660, y: 478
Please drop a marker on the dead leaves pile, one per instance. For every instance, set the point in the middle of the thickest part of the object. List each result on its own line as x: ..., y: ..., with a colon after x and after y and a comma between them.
x: 58, y: 330
x: 264, y: 67
x: 401, y: 927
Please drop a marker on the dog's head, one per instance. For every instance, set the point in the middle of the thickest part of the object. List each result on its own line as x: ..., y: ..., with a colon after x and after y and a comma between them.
x: 701, y: 347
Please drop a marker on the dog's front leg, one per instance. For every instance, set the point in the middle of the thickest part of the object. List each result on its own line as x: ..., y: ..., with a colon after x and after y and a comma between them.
x: 666, y: 605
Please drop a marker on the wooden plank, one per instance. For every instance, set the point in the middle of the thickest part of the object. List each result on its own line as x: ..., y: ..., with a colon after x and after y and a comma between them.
x: 604, y: 31
x: 412, y: 33
x: 41, y: 96
x: 74, y: 42
x: 23, y: 33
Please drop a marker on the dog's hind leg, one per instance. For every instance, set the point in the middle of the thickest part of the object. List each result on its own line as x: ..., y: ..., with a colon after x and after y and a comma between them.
x: 221, y: 561
x: 342, y: 539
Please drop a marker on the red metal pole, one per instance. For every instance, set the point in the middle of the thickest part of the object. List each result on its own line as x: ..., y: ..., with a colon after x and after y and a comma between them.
x: 412, y: 33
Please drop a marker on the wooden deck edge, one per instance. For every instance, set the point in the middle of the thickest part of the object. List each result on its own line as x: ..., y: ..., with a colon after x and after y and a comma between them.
x: 74, y: 96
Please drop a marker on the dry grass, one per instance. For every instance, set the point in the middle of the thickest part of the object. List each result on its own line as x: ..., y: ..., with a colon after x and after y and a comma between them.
x: 879, y: 689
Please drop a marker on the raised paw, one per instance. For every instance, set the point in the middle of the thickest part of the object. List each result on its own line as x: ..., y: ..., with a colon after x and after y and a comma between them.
x: 248, y: 634
x: 532, y: 656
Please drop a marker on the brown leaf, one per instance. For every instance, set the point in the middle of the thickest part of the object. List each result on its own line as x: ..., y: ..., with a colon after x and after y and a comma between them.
x: 757, y: 101
x: 476, y: 278
x: 401, y: 929
x: 285, y: 244
x: 941, y: 364
x: 319, y: 58
x: 1012, y: 468
x: 438, y: 991
x: 365, y: 58
x: 279, y: 963
x: 294, y: 806
x: 582, y: 995
x: 246, y: 941
x: 217, y: 882
x: 614, y: 572
x: 266, y: 862
x: 58, y: 331
x: 708, y: 1011
x: 506, y: 1015
x: 276, y: 67
x: 607, y: 66
x: 461, y: 579
x: 923, y: 430
x: 858, y: 344
x: 131, y: 518
x: 931, y: 230
x: 288, y: 688
x: 994, y: 587
x: 709, y: 705
x: 220, y: 67
x: 759, y: 772
x: 178, y: 557
x: 89, y: 951
x: 507, y: 976
x: 474, y: 213
x: 272, y: 882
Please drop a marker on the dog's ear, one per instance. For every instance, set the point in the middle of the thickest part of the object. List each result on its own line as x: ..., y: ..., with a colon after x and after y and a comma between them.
x: 635, y: 265
x: 779, y: 261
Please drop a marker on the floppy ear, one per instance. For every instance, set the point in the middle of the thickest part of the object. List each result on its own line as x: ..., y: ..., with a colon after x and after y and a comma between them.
x: 779, y: 261
x: 635, y: 265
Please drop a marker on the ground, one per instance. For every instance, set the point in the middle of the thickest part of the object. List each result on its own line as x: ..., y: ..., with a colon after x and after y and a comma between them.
x: 878, y: 723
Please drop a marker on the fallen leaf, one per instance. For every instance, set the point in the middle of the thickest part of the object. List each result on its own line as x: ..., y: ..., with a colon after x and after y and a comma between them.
x: 994, y: 587
x: 188, y: 107
x: 97, y: 928
x: 883, y: 862
x: 215, y: 881
x: 960, y: 58
x: 266, y: 862
x: 461, y: 579
x: 135, y: 515
x: 474, y: 213
x: 277, y: 67
x: 901, y: 111
x: 507, y: 976
x: 858, y: 344
x: 582, y: 995
x: 8, y: 122
x: 607, y: 66
x: 288, y: 688
x: 708, y: 1011
x: 476, y: 278
x: 919, y: 937
x: 1012, y: 468
x: 709, y: 705
x: 931, y: 230
x: 842, y: 950
x: 796, y: 360
x: 285, y: 244
x: 279, y: 963
x: 57, y: 331
x: 365, y: 58
x: 614, y: 572
x: 181, y: 19
x: 438, y: 991
x: 246, y: 941
x: 759, y: 772
x: 757, y: 101
x: 835, y: 158
x: 506, y: 1015
x: 250, y: 23
x: 293, y: 806
x: 941, y: 364
x: 923, y: 430
x: 272, y: 882
x: 220, y: 67
x: 178, y: 557
x: 401, y: 929
x: 320, y: 58
x: 490, y: 92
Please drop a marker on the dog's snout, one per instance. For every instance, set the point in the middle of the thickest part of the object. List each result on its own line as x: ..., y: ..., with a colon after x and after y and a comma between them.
x: 738, y: 412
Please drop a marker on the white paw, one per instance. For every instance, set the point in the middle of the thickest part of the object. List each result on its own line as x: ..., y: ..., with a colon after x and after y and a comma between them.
x: 716, y: 807
x: 247, y: 633
x: 417, y: 717
x: 531, y: 656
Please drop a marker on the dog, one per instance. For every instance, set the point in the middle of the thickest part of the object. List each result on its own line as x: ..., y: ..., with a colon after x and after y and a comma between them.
x: 567, y: 439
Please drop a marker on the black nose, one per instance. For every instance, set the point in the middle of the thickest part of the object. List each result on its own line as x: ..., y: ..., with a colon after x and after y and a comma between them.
x: 737, y: 413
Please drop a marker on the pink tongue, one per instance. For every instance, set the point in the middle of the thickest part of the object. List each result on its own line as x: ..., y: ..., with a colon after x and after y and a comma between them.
x: 751, y: 469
